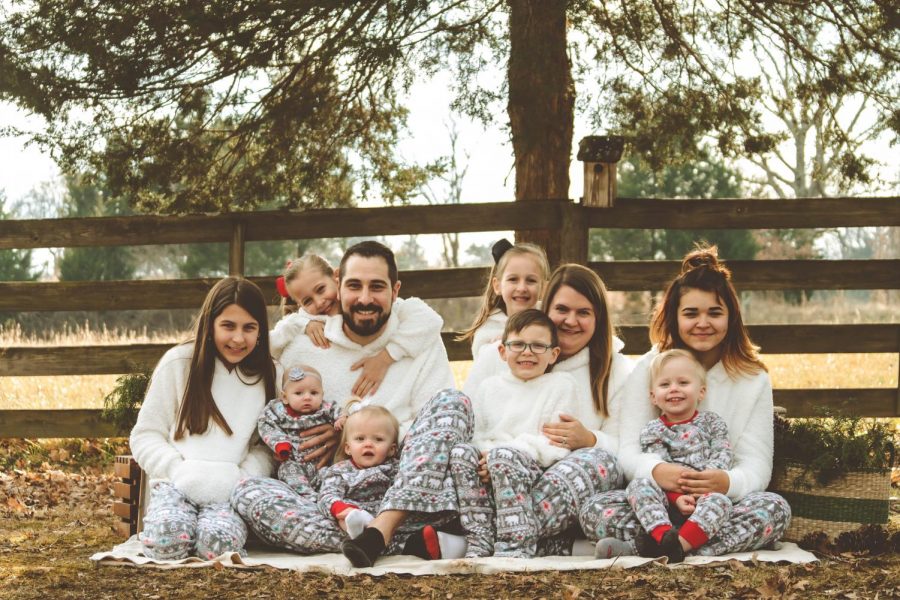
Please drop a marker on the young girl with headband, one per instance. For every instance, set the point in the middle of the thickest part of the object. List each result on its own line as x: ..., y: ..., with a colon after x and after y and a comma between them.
x: 700, y: 312
x: 516, y: 282
x: 310, y: 284
x: 195, y: 434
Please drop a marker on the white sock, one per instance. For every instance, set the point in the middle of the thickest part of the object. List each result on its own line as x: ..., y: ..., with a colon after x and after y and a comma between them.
x: 452, y: 546
x: 356, y: 521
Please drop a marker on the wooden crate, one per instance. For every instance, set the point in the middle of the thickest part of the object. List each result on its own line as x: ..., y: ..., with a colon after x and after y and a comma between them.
x: 127, y: 490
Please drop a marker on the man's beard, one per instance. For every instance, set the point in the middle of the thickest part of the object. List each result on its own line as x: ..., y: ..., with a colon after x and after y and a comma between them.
x: 368, y: 327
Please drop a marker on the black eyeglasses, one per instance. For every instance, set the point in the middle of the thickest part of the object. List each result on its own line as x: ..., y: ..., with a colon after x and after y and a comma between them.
x: 535, y: 347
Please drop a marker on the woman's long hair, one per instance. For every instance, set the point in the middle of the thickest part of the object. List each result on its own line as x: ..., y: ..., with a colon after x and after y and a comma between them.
x: 197, y: 404
x: 701, y: 270
x: 588, y: 284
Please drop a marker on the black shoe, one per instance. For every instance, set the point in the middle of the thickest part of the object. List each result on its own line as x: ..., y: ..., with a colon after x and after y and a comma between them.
x: 424, y: 544
x: 671, y: 546
x: 363, y: 550
x: 647, y: 547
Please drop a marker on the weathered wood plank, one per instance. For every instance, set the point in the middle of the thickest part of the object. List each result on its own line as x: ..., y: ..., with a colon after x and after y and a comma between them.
x: 278, y: 225
x: 748, y: 275
x: 653, y: 213
x: 69, y: 423
x: 79, y: 360
x: 774, y: 339
x: 66, y: 423
x: 497, y: 216
x: 797, y: 339
x: 449, y: 283
x: 871, y: 402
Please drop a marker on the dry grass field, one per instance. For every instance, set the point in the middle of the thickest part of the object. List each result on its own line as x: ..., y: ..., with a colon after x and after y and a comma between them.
x: 87, y: 391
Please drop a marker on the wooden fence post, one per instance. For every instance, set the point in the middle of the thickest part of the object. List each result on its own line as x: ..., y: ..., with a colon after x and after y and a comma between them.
x: 573, y: 234
x: 236, y: 248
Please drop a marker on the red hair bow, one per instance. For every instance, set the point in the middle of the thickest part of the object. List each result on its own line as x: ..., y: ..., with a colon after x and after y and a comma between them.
x: 281, y: 286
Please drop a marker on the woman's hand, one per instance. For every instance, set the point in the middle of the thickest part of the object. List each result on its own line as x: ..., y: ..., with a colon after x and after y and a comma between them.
x: 705, y: 482
x: 569, y: 433
x: 374, y: 369
x: 483, y: 473
x: 326, y: 436
x: 316, y: 332
x: 668, y: 476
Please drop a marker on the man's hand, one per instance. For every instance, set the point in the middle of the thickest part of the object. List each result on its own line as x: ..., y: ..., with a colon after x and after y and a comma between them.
x: 326, y: 436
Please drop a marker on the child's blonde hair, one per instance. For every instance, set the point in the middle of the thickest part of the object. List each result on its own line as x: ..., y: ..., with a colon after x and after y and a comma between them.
x: 292, y: 270
x: 354, y: 408
x: 660, y: 360
x: 305, y: 369
x: 490, y: 300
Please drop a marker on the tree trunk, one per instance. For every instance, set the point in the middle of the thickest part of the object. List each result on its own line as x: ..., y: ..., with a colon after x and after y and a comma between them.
x: 541, y: 107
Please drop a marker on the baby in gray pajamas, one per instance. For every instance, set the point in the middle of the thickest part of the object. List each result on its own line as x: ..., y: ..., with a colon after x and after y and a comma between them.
x: 682, y: 435
x: 301, y: 406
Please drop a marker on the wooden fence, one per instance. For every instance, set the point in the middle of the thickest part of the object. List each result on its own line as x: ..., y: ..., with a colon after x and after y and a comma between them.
x: 568, y: 222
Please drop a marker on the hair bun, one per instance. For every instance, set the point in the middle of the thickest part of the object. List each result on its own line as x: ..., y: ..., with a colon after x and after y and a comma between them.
x: 706, y: 258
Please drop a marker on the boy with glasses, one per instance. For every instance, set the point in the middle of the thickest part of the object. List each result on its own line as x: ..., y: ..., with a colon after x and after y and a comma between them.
x: 509, y: 412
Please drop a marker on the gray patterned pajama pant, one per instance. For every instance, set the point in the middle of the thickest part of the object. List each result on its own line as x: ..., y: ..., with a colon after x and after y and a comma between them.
x: 423, y: 487
x: 300, y: 476
x: 476, y: 510
x: 513, y: 475
x: 561, y: 491
x: 175, y: 527
x: 651, y: 507
x: 758, y: 520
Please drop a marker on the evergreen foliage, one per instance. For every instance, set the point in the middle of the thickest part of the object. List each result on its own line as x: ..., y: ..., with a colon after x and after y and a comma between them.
x: 122, y: 404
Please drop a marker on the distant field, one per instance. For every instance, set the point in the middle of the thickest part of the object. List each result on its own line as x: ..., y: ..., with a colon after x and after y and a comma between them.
x: 788, y: 371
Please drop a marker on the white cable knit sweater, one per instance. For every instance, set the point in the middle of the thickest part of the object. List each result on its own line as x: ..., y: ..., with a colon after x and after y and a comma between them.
x: 420, y: 372
x: 744, y: 403
x: 509, y: 413
x: 606, y: 430
x: 417, y: 322
x: 204, y: 467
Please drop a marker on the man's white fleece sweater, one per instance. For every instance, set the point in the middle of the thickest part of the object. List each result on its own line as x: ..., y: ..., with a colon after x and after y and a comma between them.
x: 204, y: 467
x: 408, y: 384
x: 745, y: 403
x: 509, y: 413
x: 605, y: 429
x: 418, y: 322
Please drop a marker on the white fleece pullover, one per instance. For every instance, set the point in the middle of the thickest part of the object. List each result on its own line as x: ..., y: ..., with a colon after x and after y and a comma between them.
x: 490, y: 331
x: 204, y: 467
x: 605, y: 429
x: 409, y: 382
x: 744, y: 403
x: 417, y: 322
x: 509, y: 413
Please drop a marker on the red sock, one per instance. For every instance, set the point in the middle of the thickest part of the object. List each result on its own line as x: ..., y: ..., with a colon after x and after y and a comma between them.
x: 660, y: 531
x: 692, y: 533
x: 432, y: 544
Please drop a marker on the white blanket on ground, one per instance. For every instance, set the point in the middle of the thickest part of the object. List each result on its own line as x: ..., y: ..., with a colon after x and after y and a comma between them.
x: 129, y: 554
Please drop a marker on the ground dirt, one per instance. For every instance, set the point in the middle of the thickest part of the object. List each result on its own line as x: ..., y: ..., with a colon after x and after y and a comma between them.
x: 53, y: 519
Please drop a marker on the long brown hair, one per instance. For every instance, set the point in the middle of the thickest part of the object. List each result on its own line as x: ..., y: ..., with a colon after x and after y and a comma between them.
x: 490, y: 300
x: 588, y: 284
x: 701, y: 270
x: 197, y: 404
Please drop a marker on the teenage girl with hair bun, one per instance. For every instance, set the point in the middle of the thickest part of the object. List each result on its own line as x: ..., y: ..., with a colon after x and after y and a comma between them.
x: 701, y: 313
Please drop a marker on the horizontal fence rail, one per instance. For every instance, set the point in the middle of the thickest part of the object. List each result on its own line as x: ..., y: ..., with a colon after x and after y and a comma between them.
x: 634, y: 213
x: 124, y: 358
x: 627, y: 276
x: 568, y: 223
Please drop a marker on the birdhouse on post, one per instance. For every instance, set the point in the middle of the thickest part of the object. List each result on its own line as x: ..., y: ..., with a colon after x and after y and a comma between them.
x: 600, y: 153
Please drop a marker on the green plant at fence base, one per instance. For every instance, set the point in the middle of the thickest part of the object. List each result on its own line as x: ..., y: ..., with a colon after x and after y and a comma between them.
x: 868, y: 539
x: 122, y: 404
x: 829, y: 448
